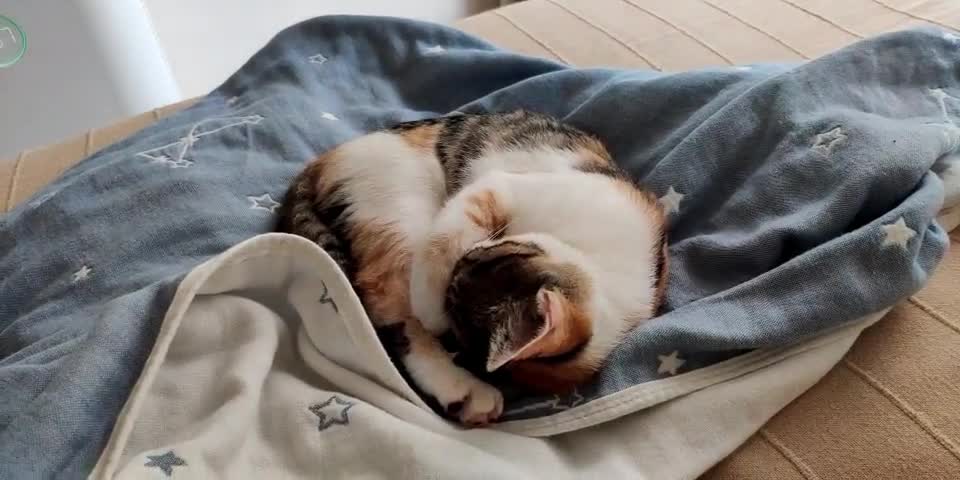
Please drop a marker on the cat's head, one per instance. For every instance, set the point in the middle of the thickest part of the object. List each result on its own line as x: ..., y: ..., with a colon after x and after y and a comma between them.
x: 532, y: 306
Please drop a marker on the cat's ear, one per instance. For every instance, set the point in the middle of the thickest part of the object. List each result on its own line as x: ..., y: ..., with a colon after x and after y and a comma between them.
x: 525, y: 342
x: 552, y: 308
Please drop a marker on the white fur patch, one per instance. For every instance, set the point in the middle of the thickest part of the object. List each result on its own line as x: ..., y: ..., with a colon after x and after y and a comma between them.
x: 388, y: 181
x: 524, y: 161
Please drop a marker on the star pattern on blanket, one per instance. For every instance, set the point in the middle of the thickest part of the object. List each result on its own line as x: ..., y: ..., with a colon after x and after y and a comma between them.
x: 897, y: 233
x: 326, y: 300
x: 82, y: 274
x: 174, y: 154
x: 318, y: 59
x: 332, y: 412
x: 329, y: 116
x: 670, y: 363
x: 264, y: 202
x: 434, y: 50
x: 951, y: 37
x: 938, y: 94
x: 824, y: 142
x: 941, y: 96
x: 163, y: 159
x: 165, y: 462
x: 671, y: 200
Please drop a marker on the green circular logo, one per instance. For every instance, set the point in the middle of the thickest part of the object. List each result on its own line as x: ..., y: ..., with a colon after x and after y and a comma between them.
x: 12, y: 42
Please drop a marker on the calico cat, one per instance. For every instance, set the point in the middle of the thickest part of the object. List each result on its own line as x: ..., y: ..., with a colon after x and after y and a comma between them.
x: 515, y: 231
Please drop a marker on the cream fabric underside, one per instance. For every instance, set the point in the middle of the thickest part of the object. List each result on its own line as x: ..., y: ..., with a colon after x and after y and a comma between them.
x: 260, y: 334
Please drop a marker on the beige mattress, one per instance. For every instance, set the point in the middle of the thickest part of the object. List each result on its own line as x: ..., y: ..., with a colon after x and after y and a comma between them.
x: 891, y: 408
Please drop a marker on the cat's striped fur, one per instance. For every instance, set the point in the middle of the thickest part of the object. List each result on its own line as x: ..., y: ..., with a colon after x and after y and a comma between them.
x: 514, y: 230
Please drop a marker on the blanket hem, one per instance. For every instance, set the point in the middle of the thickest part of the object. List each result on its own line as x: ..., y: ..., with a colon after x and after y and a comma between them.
x: 593, y: 413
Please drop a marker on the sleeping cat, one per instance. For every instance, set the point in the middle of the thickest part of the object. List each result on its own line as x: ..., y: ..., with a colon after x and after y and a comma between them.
x: 515, y: 231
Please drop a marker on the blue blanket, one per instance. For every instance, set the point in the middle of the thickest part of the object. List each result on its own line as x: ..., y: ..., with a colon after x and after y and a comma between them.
x: 801, y: 197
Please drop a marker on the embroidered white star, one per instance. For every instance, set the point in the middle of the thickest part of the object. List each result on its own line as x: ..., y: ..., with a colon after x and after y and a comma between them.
x: 318, y: 59
x: 82, y: 274
x: 950, y: 37
x: 174, y: 154
x: 825, y: 141
x: 434, y: 49
x: 671, y: 200
x: 329, y: 116
x: 898, y: 233
x: 264, y: 202
x: 938, y: 94
x: 180, y: 164
x: 670, y: 363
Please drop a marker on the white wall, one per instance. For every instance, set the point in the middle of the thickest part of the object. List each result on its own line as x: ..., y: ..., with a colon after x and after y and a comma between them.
x: 88, y: 63
x: 207, y: 40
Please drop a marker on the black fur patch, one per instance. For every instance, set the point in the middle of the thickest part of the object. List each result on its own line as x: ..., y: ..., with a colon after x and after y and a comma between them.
x: 606, y: 170
x: 661, y: 254
x: 426, y: 122
x: 470, y: 261
x: 394, y: 339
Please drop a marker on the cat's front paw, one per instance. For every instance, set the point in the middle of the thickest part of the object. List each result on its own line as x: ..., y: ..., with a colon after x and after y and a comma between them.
x: 474, y: 402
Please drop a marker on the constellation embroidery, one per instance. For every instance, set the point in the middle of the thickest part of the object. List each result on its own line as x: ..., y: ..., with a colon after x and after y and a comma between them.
x: 173, y: 154
x: 326, y: 300
x: 556, y: 404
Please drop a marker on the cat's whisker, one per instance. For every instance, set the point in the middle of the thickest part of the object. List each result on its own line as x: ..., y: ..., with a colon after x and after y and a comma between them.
x: 498, y: 232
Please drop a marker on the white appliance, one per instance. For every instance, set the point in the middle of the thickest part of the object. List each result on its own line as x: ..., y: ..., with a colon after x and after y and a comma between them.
x: 87, y: 64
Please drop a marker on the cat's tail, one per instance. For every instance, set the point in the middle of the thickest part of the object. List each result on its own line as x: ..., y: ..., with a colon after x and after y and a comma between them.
x: 299, y: 215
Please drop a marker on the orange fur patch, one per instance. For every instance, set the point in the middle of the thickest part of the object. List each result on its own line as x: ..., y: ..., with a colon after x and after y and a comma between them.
x: 486, y: 212
x: 593, y: 152
x: 422, y: 342
x: 423, y: 137
x: 322, y: 169
x: 549, y: 377
x: 383, y: 271
x: 555, y: 378
x: 646, y: 201
x: 575, y: 330
x: 441, y: 247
